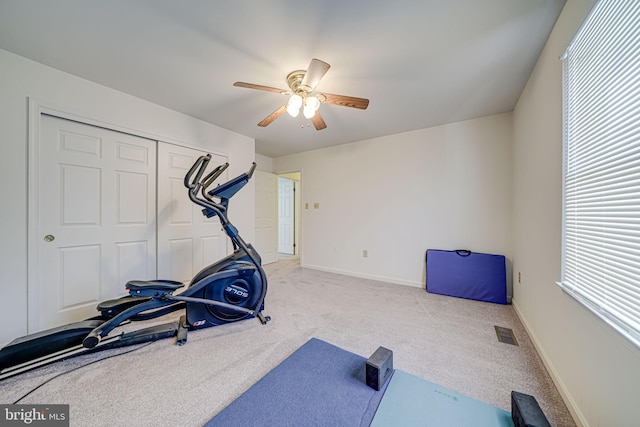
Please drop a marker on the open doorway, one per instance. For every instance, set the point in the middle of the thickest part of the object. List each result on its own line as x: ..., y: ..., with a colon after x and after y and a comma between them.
x: 289, y: 215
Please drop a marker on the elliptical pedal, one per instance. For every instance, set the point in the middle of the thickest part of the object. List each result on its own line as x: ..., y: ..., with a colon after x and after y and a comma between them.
x: 113, y: 307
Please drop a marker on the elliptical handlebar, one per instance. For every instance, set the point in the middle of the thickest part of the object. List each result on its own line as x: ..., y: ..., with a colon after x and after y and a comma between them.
x: 208, y: 180
x: 197, y: 184
x: 200, y: 164
x: 251, y: 170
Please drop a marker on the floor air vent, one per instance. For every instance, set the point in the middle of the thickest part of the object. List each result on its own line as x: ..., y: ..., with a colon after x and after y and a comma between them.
x: 505, y: 335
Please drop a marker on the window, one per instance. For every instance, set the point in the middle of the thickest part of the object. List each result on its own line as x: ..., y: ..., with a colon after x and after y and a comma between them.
x: 601, y: 197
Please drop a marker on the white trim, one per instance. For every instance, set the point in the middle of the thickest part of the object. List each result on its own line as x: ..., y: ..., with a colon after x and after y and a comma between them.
x: 69, y: 114
x: 630, y: 335
x: 364, y: 276
x: 300, y: 205
x: 573, y: 407
x: 33, y: 160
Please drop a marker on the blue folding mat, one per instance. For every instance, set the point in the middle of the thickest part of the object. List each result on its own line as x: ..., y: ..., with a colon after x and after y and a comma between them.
x: 323, y: 385
x: 466, y: 274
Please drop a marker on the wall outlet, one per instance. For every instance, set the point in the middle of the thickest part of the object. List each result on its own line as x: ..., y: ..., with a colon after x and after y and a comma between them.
x: 365, y: 253
x: 519, y: 277
x: 316, y: 205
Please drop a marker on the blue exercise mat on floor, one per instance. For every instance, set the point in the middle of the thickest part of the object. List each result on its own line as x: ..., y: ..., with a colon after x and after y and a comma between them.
x: 411, y: 401
x: 318, y: 385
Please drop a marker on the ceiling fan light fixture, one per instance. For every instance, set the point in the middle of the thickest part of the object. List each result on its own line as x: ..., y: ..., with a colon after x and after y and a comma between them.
x: 311, y: 105
x: 294, y: 104
x: 312, y: 102
x: 293, y: 112
x: 309, y: 112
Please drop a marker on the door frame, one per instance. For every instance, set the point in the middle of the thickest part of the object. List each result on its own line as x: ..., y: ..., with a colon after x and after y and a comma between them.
x: 297, y: 210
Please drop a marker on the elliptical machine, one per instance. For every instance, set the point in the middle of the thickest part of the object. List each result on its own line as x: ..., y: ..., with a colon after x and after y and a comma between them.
x: 229, y: 290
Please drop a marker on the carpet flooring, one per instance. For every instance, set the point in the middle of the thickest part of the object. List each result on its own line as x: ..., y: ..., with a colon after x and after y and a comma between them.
x: 445, y: 340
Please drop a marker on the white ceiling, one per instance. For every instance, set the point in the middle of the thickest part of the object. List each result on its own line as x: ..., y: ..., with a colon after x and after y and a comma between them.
x: 420, y: 62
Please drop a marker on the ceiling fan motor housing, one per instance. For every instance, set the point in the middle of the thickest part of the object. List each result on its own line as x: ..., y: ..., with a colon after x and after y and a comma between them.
x: 294, y: 80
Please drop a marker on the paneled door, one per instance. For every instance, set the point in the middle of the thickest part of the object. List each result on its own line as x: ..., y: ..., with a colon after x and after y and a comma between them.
x: 187, y: 240
x: 286, y: 217
x: 96, y: 197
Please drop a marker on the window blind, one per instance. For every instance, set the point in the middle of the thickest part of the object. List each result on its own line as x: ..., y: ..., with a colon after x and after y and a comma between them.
x: 601, y: 194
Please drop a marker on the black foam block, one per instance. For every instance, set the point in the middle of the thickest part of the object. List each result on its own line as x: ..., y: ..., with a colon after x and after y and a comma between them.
x: 379, y: 368
x: 526, y: 412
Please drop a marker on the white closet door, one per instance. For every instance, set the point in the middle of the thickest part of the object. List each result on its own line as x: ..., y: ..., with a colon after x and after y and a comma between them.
x: 266, y: 226
x: 187, y: 240
x: 96, y: 219
x: 286, y: 224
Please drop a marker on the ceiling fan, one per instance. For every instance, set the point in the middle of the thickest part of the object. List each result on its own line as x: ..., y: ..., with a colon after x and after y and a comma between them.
x: 302, y: 84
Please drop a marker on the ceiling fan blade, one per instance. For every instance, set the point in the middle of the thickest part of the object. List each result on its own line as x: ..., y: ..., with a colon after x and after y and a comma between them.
x: 260, y: 87
x: 317, y: 69
x: 271, y: 117
x: 345, y: 101
x: 318, y: 121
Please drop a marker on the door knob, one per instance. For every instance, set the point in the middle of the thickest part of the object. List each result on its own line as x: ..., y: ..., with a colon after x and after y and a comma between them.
x: 49, y: 238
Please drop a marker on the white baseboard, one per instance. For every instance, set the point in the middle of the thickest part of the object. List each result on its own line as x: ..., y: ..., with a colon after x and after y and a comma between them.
x: 364, y: 275
x: 564, y: 393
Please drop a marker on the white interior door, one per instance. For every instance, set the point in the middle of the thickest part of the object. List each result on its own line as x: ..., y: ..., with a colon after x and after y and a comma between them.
x: 286, y: 220
x: 187, y: 240
x: 266, y: 230
x: 96, y: 219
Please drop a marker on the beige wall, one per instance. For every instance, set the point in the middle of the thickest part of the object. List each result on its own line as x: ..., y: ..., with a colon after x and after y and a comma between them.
x: 264, y: 163
x: 446, y: 187
x: 596, y: 369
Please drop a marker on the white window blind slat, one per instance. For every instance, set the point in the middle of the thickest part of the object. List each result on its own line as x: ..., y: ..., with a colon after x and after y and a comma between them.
x: 601, y: 177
